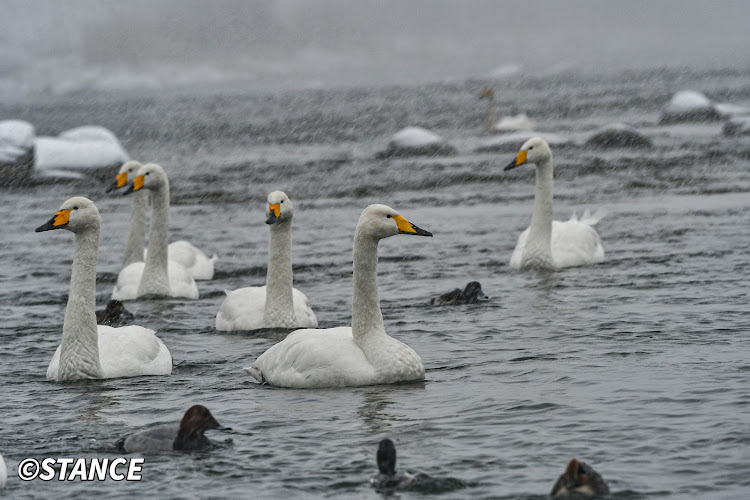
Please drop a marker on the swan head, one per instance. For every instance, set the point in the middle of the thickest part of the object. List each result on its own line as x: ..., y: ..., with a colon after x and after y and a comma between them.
x: 75, y: 214
x: 387, y: 457
x: 380, y: 221
x: 127, y: 172
x: 486, y: 92
x: 150, y: 176
x: 579, y: 479
x: 535, y: 150
x: 280, y: 208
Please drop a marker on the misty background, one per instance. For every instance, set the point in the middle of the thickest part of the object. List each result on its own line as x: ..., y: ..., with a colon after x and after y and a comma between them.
x: 60, y: 46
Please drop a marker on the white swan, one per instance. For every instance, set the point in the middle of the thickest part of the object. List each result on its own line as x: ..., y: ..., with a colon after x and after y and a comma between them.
x: 89, y: 350
x: 362, y: 354
x: 520, y: 122
x: 158, y: 276
x: 546, y: 243
x: 197, y: 264
x: 278, y: 304
x: 3, y: 472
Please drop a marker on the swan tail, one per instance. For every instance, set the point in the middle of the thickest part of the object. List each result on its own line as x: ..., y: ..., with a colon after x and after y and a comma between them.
x: 590, y: 219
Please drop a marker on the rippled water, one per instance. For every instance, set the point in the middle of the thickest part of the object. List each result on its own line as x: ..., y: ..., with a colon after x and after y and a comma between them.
x: 638, y: 366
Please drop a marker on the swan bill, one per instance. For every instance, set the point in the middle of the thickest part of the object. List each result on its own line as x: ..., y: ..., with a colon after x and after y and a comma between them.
x: 274, y: 211
x: 59, y: 221
x: 519, y: 160
x: 121, y: 180
x: 137, y: 184
x: 406, y: 227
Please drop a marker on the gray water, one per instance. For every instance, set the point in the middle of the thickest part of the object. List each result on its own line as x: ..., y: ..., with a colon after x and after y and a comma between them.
x: 637, y: 366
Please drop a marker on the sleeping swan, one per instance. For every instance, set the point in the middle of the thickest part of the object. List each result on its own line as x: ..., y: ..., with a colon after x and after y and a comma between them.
x: 183, y: 252
x: 547, y: 244
x: 278, y: 304
x: 362, y: 354
x: 518, y: 123
x: 158, y: 276
x: 89, y: 350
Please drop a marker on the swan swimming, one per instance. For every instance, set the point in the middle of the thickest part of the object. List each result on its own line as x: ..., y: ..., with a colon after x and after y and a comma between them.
x: 579, y: 479
x: 187, y: 436
x: 363, y: 354
x: 278, y: 304
x: 520, y: 122
x: 548, y: 244
x: 88, y: 350
x: 158, y: 276
x: 197, y: 264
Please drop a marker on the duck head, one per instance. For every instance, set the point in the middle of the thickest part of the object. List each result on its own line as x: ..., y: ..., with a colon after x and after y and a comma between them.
x: 474, y: 291
x: 75, y: 214
x: 535, y: 150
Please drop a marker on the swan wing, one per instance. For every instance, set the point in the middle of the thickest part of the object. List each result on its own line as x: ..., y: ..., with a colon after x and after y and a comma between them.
x: 128, y: 280
x: 128, y: 351
x: 575, y: 243
x: 314, y: 358
x: 242, y: 309
x: 181, y: 283
x: 302, y: 311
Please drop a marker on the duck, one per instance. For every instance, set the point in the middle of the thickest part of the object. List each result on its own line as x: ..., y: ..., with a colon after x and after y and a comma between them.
x: 158, y: 276
x: 471, y: 294
x: 187, y: 436
x: 388, y: 478
x: 548, y: 244
x: 88, y: 350
x: 517, y: 123
x: 357, y: 355
x: 114, y: 314
x: 277, y: 304
x: 197, y: 264
x: 579, y: 479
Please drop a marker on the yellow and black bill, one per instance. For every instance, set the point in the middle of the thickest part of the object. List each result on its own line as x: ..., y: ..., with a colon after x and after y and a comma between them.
x: 406, y: 227
x: 59, y: 221
x: 121, y: 180
x: 274, y: 211
x: 519, y: 160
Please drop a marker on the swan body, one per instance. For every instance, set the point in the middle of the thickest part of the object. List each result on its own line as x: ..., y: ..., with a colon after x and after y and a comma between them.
x: 519, y: 122
x: 197, y: 264
x: 88, y: 350
x: 157, y: 276
x: 363, y: 354
x: 3, y: 472
x: 278, y: 304
x: 548, y: 244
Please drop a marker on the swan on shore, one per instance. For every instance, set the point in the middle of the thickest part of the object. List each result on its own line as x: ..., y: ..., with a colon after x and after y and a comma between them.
x: 548, y: 244
x: 519, y: 122
x: 362, y: 354
x: 88, y: 350
x: 278, y: 304
x: 157, y: 276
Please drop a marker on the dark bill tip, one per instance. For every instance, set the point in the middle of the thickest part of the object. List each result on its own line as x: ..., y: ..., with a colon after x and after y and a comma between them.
x: 511, y: 165
x: 128, y: 190
x: 49, y: 226
x: 271, y: 218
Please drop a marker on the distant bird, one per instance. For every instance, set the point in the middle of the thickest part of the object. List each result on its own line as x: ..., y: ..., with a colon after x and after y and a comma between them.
x: 470, y: 295
x: 114, y: 314
x: 548, y: 244
x: 579, y: 479
x: 388, y: 477
x: 188, y: 436
x: 520, y: 122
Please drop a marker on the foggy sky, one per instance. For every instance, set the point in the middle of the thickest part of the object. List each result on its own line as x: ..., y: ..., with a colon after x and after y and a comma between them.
x: 63, y: 45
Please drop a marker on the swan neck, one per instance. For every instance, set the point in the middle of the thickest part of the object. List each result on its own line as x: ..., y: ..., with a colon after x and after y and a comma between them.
x: 367, y: 320
x: 279, y: 308
x: 137, y: 231
x: 79, y: 349
x: 155, y: 280
x: 540, y: 230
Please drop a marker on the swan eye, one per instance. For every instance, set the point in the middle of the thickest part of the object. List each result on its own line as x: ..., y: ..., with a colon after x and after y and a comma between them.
x: 75, y: 208
x: 148, y: 173
x: 531, y: 147
x: 282, y: 201
x: 389, y: 216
